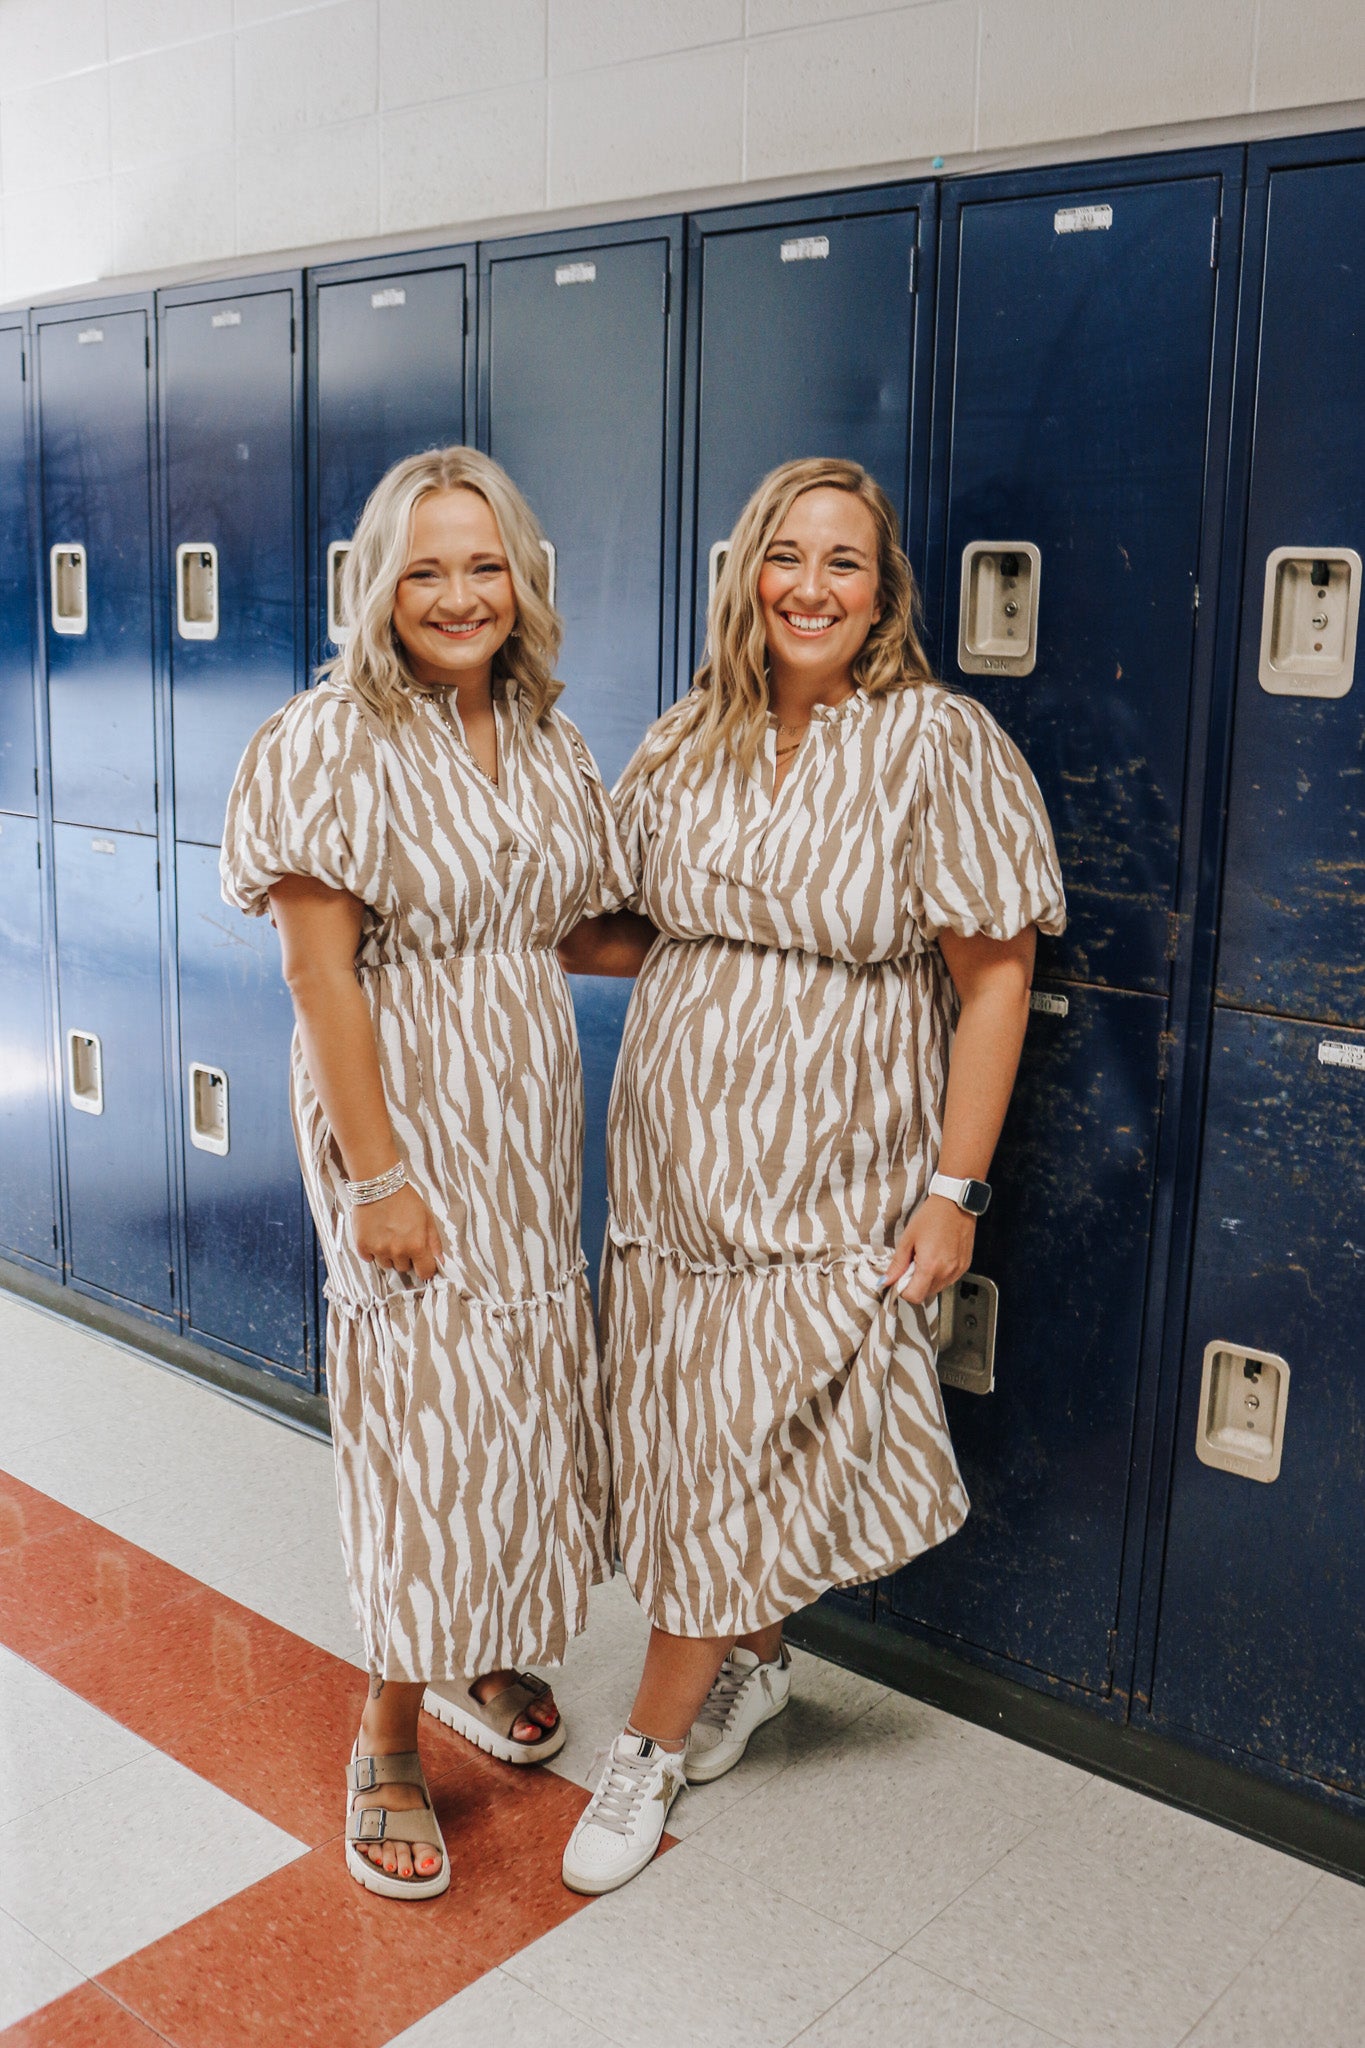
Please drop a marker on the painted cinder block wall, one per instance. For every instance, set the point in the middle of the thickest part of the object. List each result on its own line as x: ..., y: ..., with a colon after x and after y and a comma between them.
x: 143, y: 136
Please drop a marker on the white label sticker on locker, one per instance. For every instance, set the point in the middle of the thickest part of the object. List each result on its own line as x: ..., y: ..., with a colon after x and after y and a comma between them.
x: 1049, y: 1005
x: 89, y: 334
x: 392, y: 295
x: 228, y: 319
x: 576, y: 273
x: 1082, y: 220
x: 1332, y: 1053
x: 805, y: 248
x: 103, y: 846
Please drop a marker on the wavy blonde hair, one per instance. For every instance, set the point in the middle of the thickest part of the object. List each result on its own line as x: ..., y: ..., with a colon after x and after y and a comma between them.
x: 372, y: 662
x: 727, y: 707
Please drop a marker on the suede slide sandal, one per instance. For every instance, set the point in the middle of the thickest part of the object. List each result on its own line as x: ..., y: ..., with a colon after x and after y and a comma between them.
x: 489, y: 1724
x: 369, y: 1825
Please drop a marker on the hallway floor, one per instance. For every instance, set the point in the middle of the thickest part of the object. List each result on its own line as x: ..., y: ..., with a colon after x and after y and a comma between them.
x: 178, y: 1691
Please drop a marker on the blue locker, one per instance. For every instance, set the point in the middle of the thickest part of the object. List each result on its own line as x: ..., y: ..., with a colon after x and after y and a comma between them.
x: 1295, y: 868
x: 230, y: 393
x: 600, y: 1012
x: 808, y: 336
x: 112, y: 1058
x: 388, y: 368
x: 1034, y: 1573
x: 1261, y: 1641
x: 576, y: 351
x: 1076, y: 336
x: 28, y: 1210
x: 244, y: 1204
x: 18, y: 756
x: 94, y: 410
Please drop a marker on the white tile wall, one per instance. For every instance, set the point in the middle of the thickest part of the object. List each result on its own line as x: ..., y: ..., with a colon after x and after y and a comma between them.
x: 140, y: 135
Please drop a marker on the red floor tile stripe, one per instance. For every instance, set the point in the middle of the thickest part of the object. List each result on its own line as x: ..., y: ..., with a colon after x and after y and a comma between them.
x: 306, y: 1956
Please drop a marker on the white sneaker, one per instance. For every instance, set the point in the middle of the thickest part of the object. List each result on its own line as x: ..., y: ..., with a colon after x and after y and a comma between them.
x: 622, y: 1823
x: 744, y: 1696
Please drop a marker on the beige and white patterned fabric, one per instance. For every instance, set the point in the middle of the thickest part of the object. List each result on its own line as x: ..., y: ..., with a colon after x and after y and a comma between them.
x: 777, y: 1426
x: 467, y: 1413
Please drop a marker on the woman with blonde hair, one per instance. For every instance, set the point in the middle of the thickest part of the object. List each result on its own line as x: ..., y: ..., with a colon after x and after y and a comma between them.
x: 424, y: 826
x: 847, y: 866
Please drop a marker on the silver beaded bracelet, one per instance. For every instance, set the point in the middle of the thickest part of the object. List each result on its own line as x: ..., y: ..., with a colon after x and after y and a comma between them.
x: 359, y: 1192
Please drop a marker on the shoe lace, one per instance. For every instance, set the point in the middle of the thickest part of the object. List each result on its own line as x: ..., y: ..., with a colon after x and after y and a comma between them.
x: 720, y: 1701
x: 621, y: 1789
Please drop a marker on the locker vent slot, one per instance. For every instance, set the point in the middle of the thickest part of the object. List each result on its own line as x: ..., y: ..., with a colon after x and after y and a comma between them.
x: 552, y: 569
x: 1309, y: 618
x: 805, y: 249
x: 337, y: 628
x: 69, y: 608
x: 998, y: 610
x: 85, y: 1072
x: 209, y: 1108
x: 576, y: 273
x: 966, y: 1334
x: 196, y: 590
x: 1242, y: 1403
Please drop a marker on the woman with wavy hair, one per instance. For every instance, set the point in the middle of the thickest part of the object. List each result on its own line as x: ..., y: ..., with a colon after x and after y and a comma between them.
x: 424, y: 826
x: 847, y: 866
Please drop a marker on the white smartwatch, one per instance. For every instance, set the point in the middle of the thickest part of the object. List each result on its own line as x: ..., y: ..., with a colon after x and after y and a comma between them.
x: 973, y: 1197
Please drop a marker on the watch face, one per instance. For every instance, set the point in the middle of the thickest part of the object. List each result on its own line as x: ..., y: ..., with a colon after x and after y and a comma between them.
x: 976, y: 1197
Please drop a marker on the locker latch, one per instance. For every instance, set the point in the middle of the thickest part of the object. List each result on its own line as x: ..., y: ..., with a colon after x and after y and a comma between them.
x: 1308, y: 621
x: 966, y: 1334
x: 196, y: 590
x: 208, y: 1108
x: 85, y: 1072
x: 998, y: 612
x: 70, y: 612
x: 1242, y: 1401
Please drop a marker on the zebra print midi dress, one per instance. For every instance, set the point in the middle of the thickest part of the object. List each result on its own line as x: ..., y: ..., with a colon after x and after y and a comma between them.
x: 467, y: 1412
x: 777, y: 1426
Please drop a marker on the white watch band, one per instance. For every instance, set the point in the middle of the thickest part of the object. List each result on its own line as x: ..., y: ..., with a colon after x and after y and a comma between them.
x: 944, y: 1184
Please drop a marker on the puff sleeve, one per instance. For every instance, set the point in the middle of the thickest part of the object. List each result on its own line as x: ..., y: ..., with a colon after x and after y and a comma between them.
x: 614, y: 883
x: 308, y: 799
x: 983, y: 854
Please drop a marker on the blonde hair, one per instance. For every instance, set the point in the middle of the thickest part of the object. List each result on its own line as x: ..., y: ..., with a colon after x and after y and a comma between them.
x: 372, y: 662
x: 727, y: 708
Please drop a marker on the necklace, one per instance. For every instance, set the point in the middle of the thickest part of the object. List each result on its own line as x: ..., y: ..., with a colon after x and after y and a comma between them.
x: 442, y: 700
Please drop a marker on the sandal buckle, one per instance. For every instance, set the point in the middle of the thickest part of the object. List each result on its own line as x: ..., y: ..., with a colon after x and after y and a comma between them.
x: 371, y: 1824
x: 370, y: 1766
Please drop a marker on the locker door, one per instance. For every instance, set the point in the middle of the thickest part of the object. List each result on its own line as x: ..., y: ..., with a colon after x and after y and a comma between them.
x: 600, y: 1013
x: 1261, y: 1643
x: 1034, y: 1573
x: 228, y: 397
x: 807, y: 345
x: 389, y: 380
x: 1075, y: 375
x: 27, y: 1203
x: 243, y: 1196
x: 1291, y: 919
x: 113, y: 1086
x: 18, y: 758
x: 574, y: 366
x: 95, y: 467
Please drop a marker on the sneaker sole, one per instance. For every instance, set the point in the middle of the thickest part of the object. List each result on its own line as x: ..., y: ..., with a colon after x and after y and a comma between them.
x: 702, y: 1773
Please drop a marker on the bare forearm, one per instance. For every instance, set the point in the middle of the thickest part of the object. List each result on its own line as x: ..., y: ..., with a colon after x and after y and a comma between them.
x: 985, y: 1057
x: 337, y: 1038
x: 612, y: 945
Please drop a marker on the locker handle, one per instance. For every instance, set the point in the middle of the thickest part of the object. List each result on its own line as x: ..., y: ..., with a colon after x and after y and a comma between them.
x: 70, y: 612
x: 553, y: 562
x: 715, y: 562
x: 209, y: 1109
x: 1309, y: 618
x: 196, y: 590
x: 337, y: 628
x: 997, y: 632
x: 85, y: 1072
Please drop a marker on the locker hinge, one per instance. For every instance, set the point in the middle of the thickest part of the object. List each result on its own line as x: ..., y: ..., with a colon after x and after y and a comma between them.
x: 158, y: 875
x: 170, y: 1275
x: 1215, y: 241
x: 464, y: 315
x: 293, y: 330
x: 54, y: 1237
x: 1166, y: 1046
x: 1195, y: 601
x: 914, y: 268
x: 1112, y: 1651
x: 668, y: 293
x: 147, y: 350
x: 23, y: 366
x: 1172, y: 934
